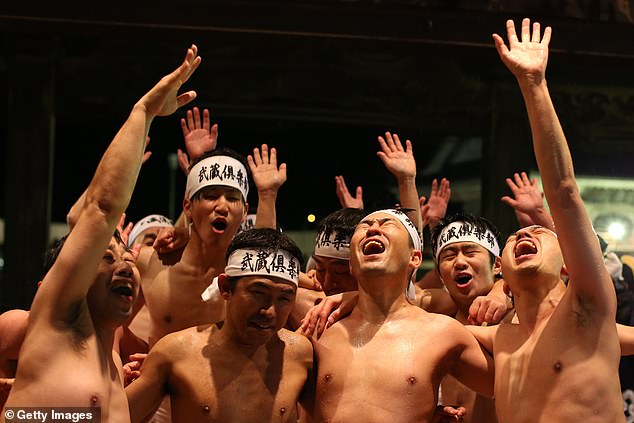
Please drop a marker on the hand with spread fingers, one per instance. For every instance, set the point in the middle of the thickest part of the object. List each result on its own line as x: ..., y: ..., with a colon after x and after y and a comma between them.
x: 525, y: 58
x: 163, y: 99
x: 345, y: 198
x: 433, y: 210
x: 200, y: 136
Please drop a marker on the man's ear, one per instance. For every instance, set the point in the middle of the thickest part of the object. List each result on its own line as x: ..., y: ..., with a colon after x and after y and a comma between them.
x: 246, y: 211
x: 416, y: 259
x: 224, y: 286
x: 497, y: 266
x: 187, y: 208
x: 564, y: 273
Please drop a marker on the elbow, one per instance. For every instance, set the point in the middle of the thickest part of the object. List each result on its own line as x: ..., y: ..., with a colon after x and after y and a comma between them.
x: 566, y: 194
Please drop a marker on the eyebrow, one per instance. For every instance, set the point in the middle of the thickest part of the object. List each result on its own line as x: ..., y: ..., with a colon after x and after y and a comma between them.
x: 381, y: 220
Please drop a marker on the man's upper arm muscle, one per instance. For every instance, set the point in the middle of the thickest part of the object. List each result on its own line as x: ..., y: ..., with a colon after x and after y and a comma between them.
x: 474, y: 366
x: 146, y: 392
x: 66, y: 284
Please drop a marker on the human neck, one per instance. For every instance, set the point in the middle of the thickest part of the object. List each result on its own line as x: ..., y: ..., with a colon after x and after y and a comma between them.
x: 204, y: 255
x: 533, y: 306
x: 229, y: 340
x: 380, y: 298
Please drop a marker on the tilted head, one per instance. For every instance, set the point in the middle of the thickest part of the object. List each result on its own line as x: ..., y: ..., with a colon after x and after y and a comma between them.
x: 467, y: 254
x: 532, y: 251
x: 386, y: 242
x: 260, y: 282
x: 332, y: 250
x: 216, y: 194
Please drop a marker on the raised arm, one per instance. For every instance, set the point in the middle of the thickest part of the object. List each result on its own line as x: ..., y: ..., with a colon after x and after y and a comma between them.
x: 434, y: 208
x: 268, y: 178
x: 107, y: 197
x: 527, y: 202
x: 401, y: 163
x: 527, y: 59
x: 200, y: 137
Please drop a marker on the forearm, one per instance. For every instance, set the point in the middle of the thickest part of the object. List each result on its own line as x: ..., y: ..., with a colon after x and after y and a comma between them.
x: 112, y: 185
x: 626, y: 339
x: 408, y: 198
x: 550, y: 146
x: 266, y: 216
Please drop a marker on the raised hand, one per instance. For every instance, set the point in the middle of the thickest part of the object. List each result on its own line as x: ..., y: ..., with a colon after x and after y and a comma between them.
x: 527, y: 58
x: 527, y: 202
x: 400, y: 162
x: 200, y: 136
x: 163, y: 98
x: 526, y: 194
x: 345, y: 199
x: 267, y: 176
x: 434, y: 210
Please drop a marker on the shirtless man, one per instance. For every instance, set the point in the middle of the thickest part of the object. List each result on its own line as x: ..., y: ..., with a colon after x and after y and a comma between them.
x: 91, y: 288
x: 249, y: 369
x: 385, y: 361
x: 467, y: 253
x: 560, y: 363
x: 214, y: 205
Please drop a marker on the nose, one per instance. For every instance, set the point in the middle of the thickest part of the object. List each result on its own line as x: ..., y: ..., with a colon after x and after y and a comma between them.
x: 460, y: 261
x: 328, y: 284
x: 522, y: 233
x: 124, y: 269
x: 373, y: 228
x: 268, y: 311
x: 222, y: 205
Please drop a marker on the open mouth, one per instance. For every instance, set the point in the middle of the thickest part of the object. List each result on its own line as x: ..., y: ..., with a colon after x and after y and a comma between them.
x: 525, y: 247
x: 219, y: 224
x: 373, y: 247
x: 124, y: 291
x: 261, y: 326
x: 463, y: 281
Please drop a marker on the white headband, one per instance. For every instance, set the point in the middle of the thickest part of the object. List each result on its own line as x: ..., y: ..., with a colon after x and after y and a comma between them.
x: 280, y: 264
x: 249, y: 222
x: 217, y: 170
x: 465, y: 232
x: 410, y: 292
x: 333, y: 246
x: 151, y: 221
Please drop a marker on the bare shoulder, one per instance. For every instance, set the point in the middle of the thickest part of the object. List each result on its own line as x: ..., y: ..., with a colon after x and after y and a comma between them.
x: 148, y: 263
x: 298, y: 344
x: 178, y: 345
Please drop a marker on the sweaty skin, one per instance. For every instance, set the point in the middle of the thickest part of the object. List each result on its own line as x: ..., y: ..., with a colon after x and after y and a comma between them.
x: 467, y: 272
x: 246, y: 370
x: 209, y: 382
x: 560, y: 363
x: 386, y: 360
x: 389, y: 371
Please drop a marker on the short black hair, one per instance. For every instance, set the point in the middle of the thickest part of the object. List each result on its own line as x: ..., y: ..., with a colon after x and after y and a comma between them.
x: 343, y: 221
x: 478, y: 222
x: 222, y: 151
x: 267, y: 239
x: 52, y: 252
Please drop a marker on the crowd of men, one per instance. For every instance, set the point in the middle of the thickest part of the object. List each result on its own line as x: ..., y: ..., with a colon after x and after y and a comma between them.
x: 211, y: 319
